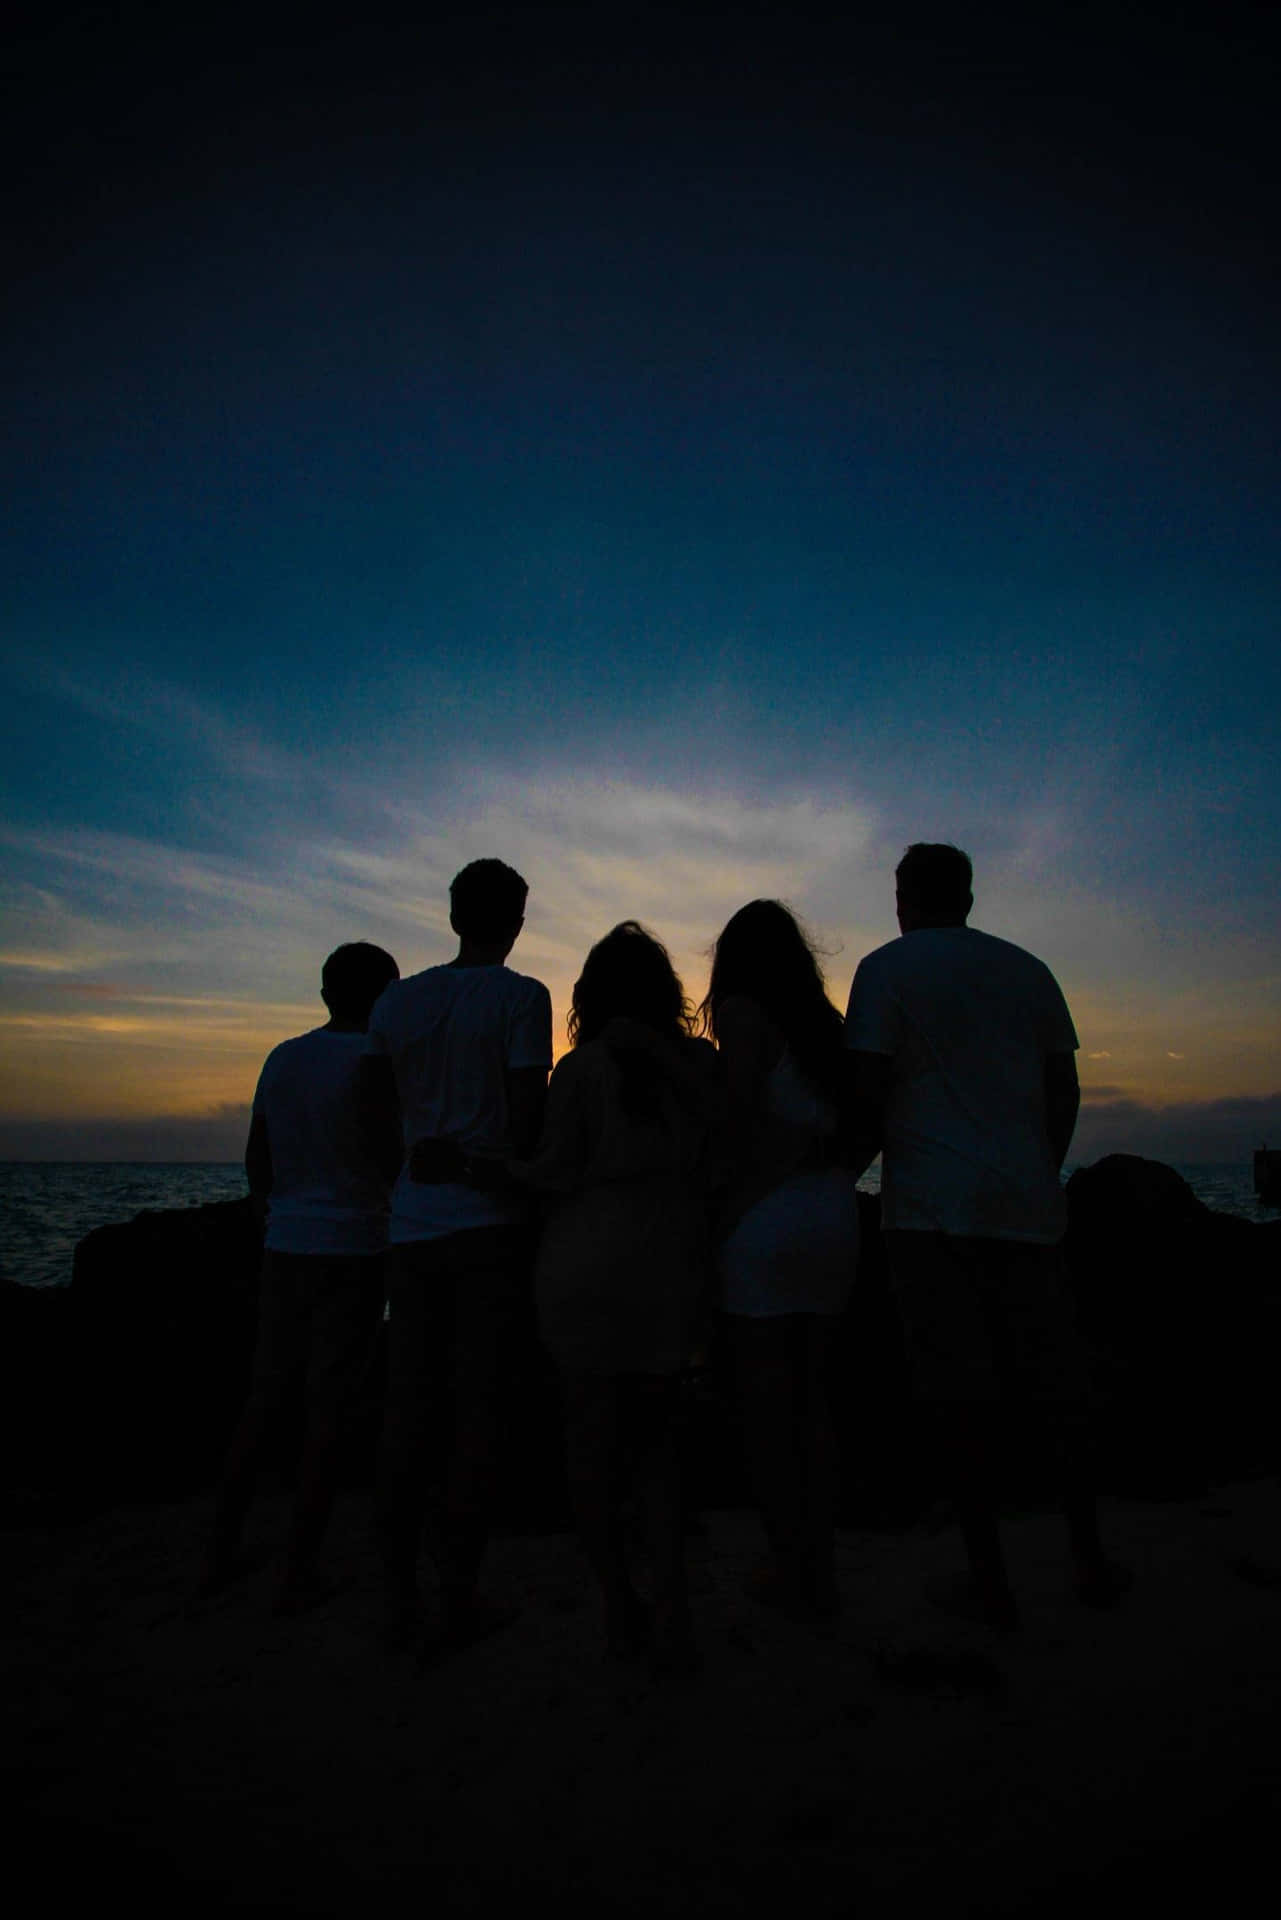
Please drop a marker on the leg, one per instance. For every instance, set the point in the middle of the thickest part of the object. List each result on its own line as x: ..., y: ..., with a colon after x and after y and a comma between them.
x: 768, y: 1408
x: 968, y: 1444
x: 593, y: 1443
x: 814, y: 1337
x: 278, y: 1355
x: 938, y: 1288
x: 651, y: 1414
x: 346, y: 1307
x: 401, y: 1484
x: 488, y: 1266
x: 1049, y: 1370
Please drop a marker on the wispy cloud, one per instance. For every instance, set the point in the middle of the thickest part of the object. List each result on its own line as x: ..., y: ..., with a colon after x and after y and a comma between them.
x: 202, y: 941
x: 147, y: 703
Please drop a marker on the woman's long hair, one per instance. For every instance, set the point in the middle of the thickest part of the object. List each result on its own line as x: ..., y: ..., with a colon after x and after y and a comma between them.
x: 629, y: 972
x: 763, y: 954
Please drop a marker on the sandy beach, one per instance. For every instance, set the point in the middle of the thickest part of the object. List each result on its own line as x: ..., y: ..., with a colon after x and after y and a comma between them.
x: 901, y: 1762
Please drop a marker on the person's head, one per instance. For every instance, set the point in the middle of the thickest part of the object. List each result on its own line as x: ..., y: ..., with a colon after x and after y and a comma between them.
x: 352, y: 979
x: 487, y: 904
x: 933, y: 886
x: 628, y: 972
x: 764, y: 954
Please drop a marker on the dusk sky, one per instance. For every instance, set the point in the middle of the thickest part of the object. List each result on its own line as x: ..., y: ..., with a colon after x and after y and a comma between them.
x: 688, y: 457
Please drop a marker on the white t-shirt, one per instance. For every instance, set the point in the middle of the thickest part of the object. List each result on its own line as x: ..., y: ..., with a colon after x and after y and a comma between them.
x: 452, y: 1035
x: 327, y: 1196
x: 968, y: 1021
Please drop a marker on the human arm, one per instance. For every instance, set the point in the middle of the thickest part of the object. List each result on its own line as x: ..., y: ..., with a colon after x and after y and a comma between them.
x: 526, y: 1089
x: 258, y: 1164
x: 1062, y: 1102
x: 866, y: 1094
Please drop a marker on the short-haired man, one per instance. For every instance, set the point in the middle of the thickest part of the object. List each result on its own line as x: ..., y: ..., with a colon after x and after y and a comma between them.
x: 311, y: 1167
x: 965, y: 1071
x: 457, y: 1058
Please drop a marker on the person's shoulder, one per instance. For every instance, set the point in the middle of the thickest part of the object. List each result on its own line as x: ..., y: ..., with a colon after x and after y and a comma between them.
x: 299, y: 1044
x: 1007, y: 952
x: 409, y: 990
x: 524, y: 985
x: 880, y: 961
x: 289, y: 1054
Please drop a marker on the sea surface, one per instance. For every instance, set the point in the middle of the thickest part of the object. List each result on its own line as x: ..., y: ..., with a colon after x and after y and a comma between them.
x: 46, y: 1206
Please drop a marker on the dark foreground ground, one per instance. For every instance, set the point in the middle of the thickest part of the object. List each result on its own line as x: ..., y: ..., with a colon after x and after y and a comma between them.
x: 234, y: 1763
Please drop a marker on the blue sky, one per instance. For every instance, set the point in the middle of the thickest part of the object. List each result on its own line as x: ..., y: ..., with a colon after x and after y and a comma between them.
x: 687, y: 486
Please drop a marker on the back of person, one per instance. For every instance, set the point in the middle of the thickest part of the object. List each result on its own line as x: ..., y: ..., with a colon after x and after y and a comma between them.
x: 452, y: 1035
x: 969, y: 1020
x: 456, y: 1065
x: 630, y: 1143
x: 644, y: 1102
x: 313, y: 1164
x: 964, y: 1070
x: 792, y: 1095
x: 327, y: 1193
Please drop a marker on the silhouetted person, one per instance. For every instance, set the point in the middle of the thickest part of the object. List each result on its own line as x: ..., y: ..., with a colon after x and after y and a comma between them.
x: 458, y: 1054
x: 632, y: 1144
x: 311, y: 1165
x: 964, y: 1050
x: 788, y: 1260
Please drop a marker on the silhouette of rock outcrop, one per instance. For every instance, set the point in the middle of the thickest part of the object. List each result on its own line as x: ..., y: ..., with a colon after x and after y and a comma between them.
x: 1181, y: 1307
x: 127, y: 1383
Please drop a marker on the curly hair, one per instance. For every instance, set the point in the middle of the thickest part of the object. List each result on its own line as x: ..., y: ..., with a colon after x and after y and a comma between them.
x: 628, y: 972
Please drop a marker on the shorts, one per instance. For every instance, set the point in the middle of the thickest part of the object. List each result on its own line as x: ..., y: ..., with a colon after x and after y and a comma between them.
x: 987, y: 1318
x: 318, y: 1317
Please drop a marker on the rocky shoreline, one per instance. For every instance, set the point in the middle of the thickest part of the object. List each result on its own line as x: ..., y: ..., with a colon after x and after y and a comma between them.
x: 125, y: 1384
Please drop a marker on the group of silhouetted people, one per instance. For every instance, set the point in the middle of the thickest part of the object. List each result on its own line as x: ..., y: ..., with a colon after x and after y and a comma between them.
x: 413, y: 1158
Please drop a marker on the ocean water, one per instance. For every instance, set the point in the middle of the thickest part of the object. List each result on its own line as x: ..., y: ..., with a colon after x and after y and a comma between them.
x: 46, y: 1206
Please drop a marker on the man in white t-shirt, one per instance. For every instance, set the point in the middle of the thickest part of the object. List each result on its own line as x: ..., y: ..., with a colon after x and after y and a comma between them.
x: 312, y: 1169
x: 965, y: 1073
x: 457, y: 1060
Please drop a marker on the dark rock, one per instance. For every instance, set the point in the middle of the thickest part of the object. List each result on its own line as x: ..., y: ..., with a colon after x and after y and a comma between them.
x: 1180, y: 1306
x: 129, y: 1382
x: 163, y: 1317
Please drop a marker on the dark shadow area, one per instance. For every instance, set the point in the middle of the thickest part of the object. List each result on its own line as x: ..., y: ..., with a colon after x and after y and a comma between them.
x: 126, y: 1385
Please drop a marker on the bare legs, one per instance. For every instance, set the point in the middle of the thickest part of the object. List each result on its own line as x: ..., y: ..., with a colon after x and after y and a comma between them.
x: 780, y: 1366
x: 620, y: 1427
x: 970, y: 1443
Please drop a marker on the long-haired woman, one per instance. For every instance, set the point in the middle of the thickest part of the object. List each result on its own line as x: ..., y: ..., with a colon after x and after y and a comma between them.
x: 629, y: 1149
x: 787, y: 1261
